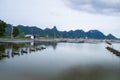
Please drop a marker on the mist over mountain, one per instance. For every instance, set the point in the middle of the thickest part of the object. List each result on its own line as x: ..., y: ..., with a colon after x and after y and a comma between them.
x: 54, y: 32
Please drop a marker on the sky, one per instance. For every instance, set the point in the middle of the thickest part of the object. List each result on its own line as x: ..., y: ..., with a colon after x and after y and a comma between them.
x: 103, y: 15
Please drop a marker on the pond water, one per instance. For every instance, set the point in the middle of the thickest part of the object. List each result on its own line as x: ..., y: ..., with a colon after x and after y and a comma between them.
x: 59, y: 61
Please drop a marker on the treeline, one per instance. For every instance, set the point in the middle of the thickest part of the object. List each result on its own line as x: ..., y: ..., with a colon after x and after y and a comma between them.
x: 2, y: 28
x: 20, y: 30
x: 64, y: 34
x: 14, y: 31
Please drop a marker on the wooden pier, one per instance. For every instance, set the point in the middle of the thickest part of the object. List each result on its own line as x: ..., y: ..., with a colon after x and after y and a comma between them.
x: 114, y: 51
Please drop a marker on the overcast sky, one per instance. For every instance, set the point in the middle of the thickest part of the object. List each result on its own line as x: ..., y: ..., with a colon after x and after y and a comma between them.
x: 103, y: 15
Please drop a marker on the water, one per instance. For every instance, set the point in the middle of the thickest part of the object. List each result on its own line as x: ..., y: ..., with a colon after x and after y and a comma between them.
x: 59, y: 61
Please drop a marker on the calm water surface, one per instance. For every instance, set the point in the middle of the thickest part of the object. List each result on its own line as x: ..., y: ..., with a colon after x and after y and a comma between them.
x: 59, y: 61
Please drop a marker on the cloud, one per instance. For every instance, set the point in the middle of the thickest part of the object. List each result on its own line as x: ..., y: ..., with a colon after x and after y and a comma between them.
x: 108, y: 7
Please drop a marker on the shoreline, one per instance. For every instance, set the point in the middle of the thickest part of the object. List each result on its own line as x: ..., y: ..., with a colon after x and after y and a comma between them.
x: 16, y: 40
x: 58, y: 40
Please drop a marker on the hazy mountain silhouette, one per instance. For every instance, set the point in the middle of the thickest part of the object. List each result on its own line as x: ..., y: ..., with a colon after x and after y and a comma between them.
x: 110, y: 36
x: 64, y: 34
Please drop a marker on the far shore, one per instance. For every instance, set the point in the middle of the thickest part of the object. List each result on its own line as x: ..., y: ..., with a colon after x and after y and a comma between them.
x: 16, y: 40
x: 69, y: 40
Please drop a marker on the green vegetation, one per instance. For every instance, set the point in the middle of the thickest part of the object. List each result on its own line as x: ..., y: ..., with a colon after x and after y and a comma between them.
x: 2, y: 28
x: 9, y: 31
x: 21, y: 36
x: 15, y: 31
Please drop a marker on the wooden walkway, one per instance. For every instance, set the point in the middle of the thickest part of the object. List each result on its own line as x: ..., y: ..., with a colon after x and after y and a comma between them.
x: 114, y: 51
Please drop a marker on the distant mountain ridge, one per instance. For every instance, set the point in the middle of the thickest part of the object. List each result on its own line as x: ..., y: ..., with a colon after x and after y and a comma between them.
x: 79, y: 33
x: 64, y: 34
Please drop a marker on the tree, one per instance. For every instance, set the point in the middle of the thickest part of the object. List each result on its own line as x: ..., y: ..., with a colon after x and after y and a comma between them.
x: 15, y: 31
x: 2, y: 28
x: 22, y: 35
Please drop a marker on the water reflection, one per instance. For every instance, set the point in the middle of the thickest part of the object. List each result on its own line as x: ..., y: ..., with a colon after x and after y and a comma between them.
x: 48, y: 44
x: 60, y: 61
x: 8, y: 50
x: 94, y: 72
